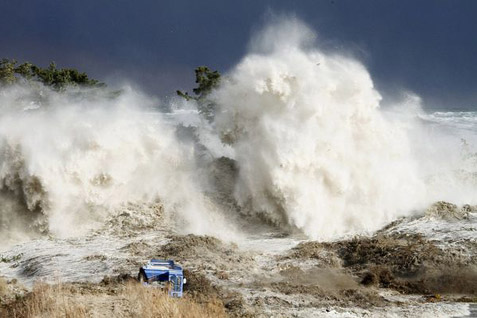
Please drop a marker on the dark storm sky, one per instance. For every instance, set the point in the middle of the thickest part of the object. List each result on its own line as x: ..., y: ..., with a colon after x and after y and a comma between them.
x: 429, y: 47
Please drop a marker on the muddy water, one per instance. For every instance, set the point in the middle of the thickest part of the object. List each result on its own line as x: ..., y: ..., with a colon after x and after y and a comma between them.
x: 272, y: 274
x: 472, y: 312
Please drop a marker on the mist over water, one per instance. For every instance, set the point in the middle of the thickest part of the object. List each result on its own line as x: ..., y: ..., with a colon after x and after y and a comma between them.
x: 317, y: 151
x: 311, y: 146
x: 73, y: 161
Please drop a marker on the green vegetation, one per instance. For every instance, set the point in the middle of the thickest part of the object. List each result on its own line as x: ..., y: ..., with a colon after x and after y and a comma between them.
x: 207, y: 80
x: 14, y: 258
x: 56, y: 78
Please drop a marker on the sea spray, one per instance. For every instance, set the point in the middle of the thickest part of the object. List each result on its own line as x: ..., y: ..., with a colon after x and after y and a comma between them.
x: 444, y: 145
x: 312, y: 147
x: 78, y: 157
x: 300, y: 138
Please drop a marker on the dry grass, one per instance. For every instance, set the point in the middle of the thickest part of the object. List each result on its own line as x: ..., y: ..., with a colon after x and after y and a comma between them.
x: 152, y: 303
x: 45, y: 301
x: 3, y: 287
x: 93, y: 300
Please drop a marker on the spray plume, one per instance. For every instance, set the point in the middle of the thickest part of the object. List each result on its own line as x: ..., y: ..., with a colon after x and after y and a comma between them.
x: 308, y: 147
x: 313, y: 147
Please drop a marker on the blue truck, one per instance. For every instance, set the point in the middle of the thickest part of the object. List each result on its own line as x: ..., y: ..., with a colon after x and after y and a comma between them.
x: 158, y: 270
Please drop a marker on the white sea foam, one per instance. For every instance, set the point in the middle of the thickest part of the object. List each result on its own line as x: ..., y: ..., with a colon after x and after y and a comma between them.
x: 304, y: 130
x: 313, y: 149
x: 77, y: 159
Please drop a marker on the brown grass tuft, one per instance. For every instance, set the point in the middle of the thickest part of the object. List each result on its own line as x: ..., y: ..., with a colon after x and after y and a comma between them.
x: 114, y: 300
x: 151, y: 303
x: 46, y: 301
x: 3, y: 287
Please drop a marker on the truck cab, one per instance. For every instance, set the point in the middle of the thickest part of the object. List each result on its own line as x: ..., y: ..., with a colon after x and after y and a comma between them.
x: 163, y: 271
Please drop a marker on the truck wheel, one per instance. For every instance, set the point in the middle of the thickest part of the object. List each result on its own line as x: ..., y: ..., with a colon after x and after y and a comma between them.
x: 141, y: 277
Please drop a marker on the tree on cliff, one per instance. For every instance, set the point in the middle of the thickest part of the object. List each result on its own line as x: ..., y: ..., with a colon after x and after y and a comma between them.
x: 207, y: 80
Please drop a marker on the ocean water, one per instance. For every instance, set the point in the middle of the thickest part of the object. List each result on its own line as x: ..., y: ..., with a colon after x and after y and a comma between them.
x: 300, y: 139
x: 457, y: 121
x: 302, y: 147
